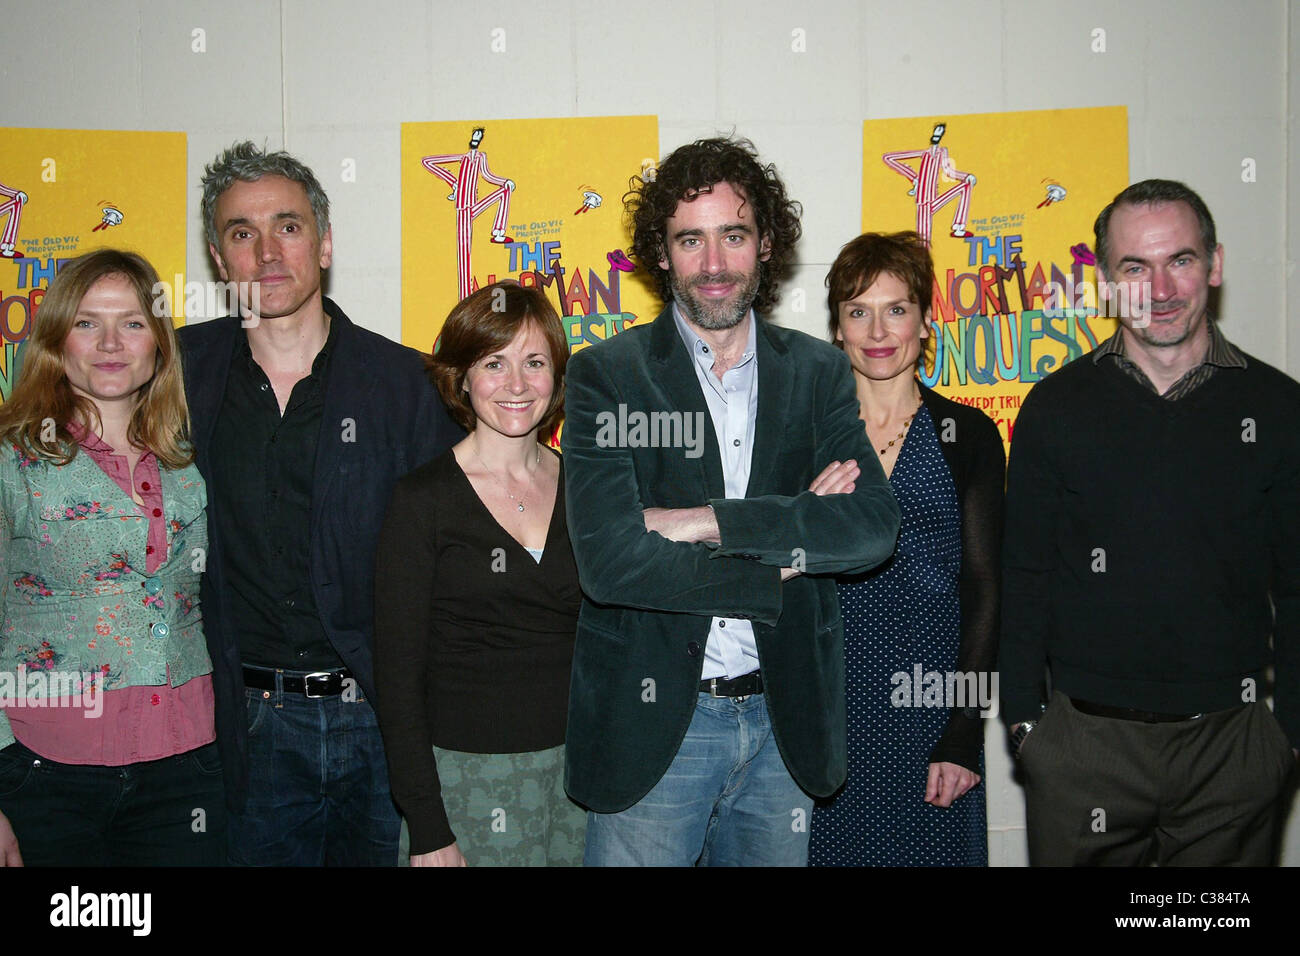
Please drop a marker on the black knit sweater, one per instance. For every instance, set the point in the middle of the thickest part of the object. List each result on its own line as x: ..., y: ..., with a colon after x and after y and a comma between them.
x: 1145, y: 539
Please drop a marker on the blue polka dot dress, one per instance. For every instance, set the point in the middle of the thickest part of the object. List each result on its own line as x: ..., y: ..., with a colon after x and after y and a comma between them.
x: 902, y: 614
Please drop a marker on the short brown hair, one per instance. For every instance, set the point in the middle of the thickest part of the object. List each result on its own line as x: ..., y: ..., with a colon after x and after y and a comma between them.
x: 864, y: 259
x: 487, y: 321
x: 160, y: 417
x: 1151, y: 192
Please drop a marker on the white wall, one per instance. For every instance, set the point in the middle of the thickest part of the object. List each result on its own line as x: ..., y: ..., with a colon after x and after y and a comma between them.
x: 1207, y: 84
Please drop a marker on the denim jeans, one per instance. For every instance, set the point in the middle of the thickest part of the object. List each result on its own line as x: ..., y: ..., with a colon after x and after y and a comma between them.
x: 726, y: 800
x: 318, y: 785
x: 168, y: 812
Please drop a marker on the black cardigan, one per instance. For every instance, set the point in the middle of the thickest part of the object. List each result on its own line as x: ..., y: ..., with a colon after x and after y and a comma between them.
x: 972, y: 447
x: 473, y: 637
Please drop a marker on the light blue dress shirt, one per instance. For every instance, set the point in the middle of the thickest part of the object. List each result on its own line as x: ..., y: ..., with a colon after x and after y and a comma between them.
x: 733, y: 405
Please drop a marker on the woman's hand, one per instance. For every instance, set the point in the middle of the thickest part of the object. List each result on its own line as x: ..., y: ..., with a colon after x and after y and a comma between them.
x: 9, y: 855
x: 947, y: 782
x: 836, y: 479
x: 447, y: 856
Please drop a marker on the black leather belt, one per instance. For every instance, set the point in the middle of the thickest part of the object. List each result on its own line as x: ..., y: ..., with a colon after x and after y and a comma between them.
x: 1128, y: 713
x: 742, y: 686
x: 313, y: 685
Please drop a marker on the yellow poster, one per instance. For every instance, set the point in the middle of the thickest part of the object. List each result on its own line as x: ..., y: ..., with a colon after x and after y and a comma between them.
x: 65, y: 192
x: 538, y: 201
x: 1006, y: 202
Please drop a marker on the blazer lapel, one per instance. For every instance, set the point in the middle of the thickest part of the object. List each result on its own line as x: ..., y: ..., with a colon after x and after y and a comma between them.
x: 348, y: 384
x: 775, y: 392
x: 672, y: 368
x: 207, y: 389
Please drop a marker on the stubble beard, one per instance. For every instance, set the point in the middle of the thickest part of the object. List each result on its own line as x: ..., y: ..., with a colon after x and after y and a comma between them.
x: 716, y: 315
x: 1159, y: 336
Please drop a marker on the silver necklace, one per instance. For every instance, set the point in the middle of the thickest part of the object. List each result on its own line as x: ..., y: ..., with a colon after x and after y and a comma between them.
x: 519, y: 502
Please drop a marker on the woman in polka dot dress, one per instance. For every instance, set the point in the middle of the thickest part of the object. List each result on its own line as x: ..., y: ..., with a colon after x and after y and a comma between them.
x: 920, y: 631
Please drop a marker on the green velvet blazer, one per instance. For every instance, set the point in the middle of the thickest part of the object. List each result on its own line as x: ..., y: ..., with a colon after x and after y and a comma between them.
x: 648, y: 602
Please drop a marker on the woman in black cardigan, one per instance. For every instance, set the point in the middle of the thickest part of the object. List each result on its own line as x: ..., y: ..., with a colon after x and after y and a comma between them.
x: 921, y: 630
x: 476, y: 603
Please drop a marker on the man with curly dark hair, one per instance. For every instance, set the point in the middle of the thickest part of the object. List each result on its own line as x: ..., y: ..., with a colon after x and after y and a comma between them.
x: 697, y: 169
x: 718, y: 477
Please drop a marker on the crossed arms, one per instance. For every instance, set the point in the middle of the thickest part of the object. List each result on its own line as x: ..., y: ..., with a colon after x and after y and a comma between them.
x: 623, y: 561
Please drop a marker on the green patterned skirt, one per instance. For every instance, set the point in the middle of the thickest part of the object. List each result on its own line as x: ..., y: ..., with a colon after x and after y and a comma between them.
x: 509, y: 809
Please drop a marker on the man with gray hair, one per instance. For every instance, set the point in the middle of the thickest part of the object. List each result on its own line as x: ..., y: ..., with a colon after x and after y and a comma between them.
x: 302, y: 423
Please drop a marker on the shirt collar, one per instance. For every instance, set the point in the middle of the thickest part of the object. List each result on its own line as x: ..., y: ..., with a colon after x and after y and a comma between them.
x: 318, y: 363
x: 96, y: 445
x: 1221, y: 352
x: 696, y: 345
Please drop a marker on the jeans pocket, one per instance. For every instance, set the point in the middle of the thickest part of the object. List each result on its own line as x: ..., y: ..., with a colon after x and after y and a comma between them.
x: 256, y: 706
x: 15, y: 769
x: 206, y: 760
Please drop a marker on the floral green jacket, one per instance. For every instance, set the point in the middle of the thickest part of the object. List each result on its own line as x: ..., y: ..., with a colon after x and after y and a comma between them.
x: 75, y: 599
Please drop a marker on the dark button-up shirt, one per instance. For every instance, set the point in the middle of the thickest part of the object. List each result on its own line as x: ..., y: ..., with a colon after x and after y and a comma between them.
x: 262, y: 465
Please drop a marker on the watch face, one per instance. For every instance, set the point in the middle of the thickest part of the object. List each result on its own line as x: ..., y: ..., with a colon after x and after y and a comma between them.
x: 1018, y: 738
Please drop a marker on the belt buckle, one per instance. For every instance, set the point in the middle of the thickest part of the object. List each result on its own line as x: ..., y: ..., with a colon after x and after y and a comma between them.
x: 315, y: 675
x: 713, y: 691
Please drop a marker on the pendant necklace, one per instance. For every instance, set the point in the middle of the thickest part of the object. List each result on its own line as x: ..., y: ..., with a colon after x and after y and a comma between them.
x: 519, y: 502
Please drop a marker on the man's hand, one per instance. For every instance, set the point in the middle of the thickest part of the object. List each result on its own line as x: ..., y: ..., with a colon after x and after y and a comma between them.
x: 447, y: 856
x: 690, y: 525
x: 947, y: 782
x: 9, y: 855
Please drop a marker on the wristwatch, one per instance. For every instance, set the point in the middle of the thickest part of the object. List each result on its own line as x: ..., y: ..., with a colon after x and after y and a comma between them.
x: 1019, y: 734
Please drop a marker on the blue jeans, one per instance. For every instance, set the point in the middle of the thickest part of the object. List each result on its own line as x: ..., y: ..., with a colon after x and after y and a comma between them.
x: 725, y: 800
x: 168, y: 812
x: 318, y: 785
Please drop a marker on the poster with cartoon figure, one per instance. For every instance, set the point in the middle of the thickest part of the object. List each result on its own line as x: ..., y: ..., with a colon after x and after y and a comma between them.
x: 65, y: 192
x: 1006, y: 202
x: 538, y: 201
